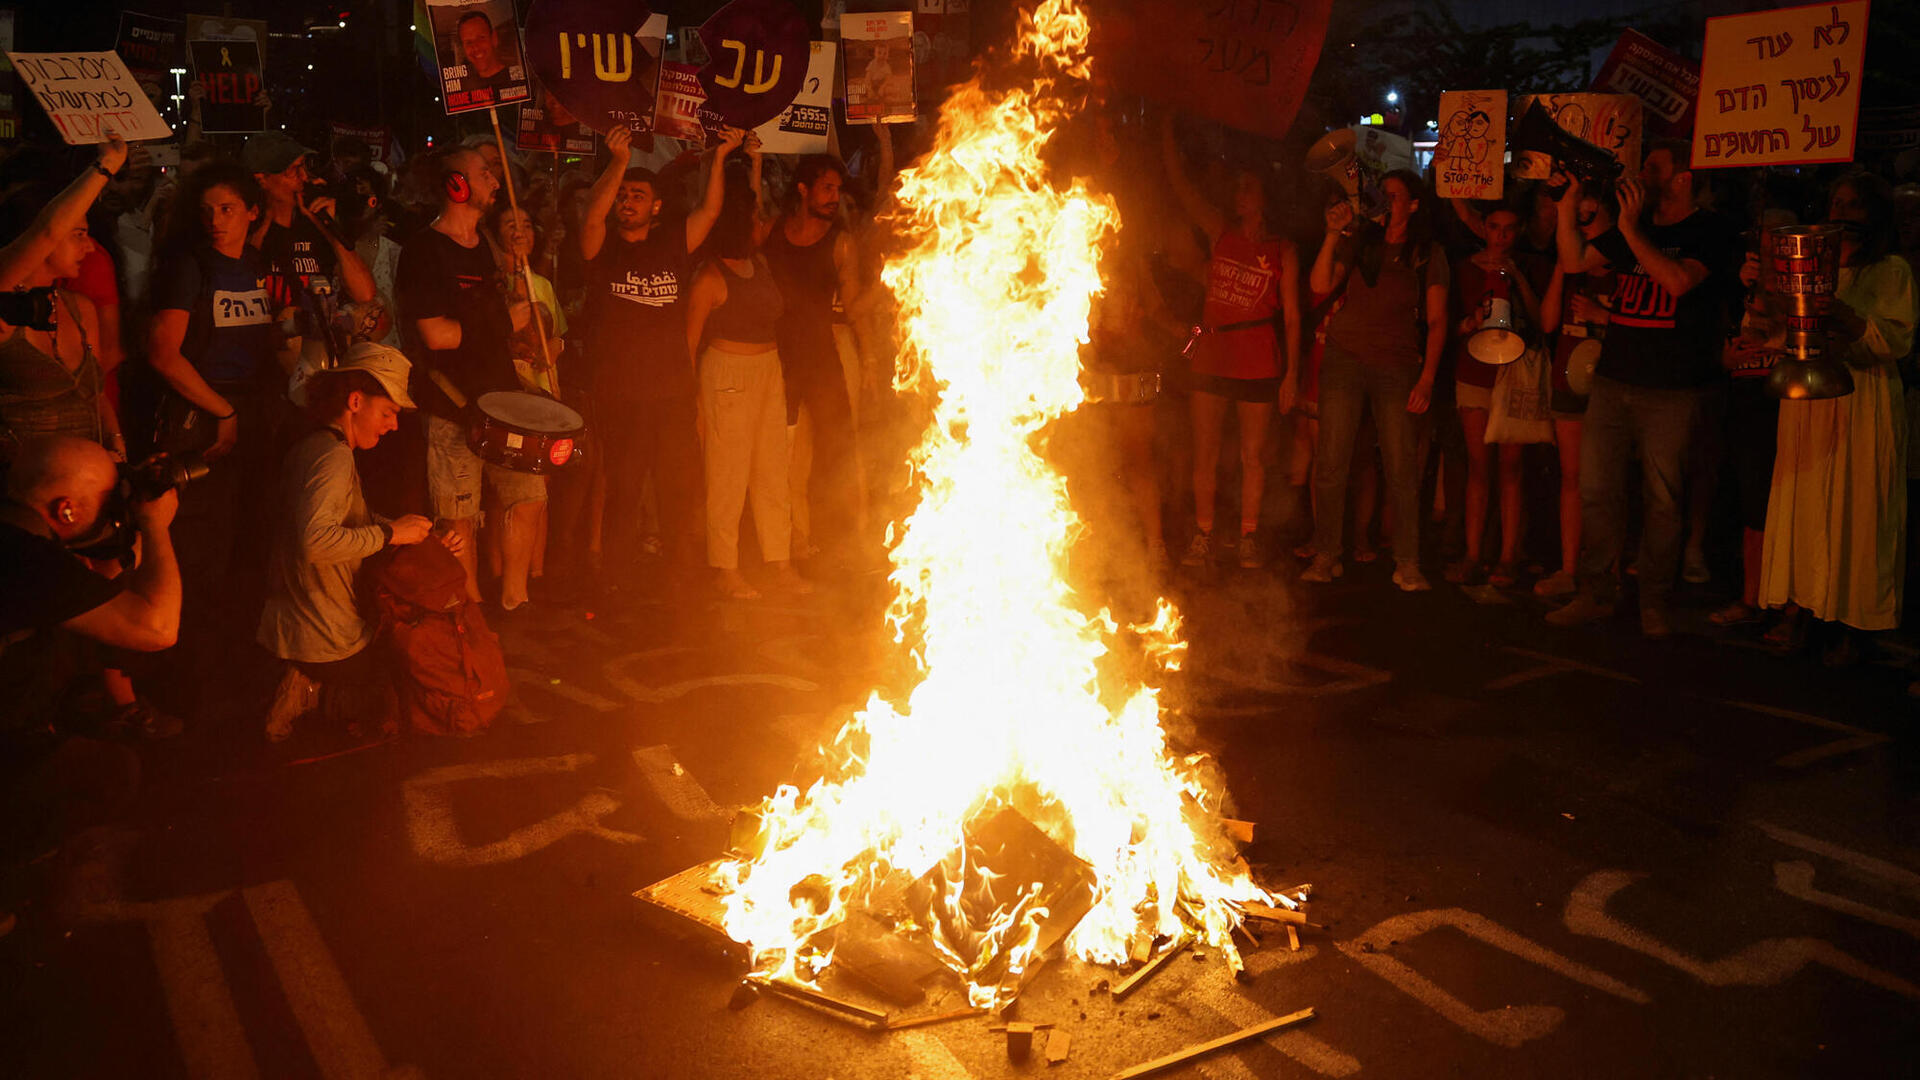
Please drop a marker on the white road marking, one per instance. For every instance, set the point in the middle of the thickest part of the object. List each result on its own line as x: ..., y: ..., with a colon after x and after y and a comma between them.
x: 1859, y: 738
x: 1511, y: 1026
x: 1551, y: 665
x: 1764, y: 963
x: 199, y: 1001
x: 336, y: 1032
x: 1796, y: 880
x: 435, y: 834
x: 1901, y: 878
x: 791, y: 651
x: 559, y: 688
x: 673, y: 785
x: 931, y: 1058
x: 1210, y: 993
x: 618, y: 676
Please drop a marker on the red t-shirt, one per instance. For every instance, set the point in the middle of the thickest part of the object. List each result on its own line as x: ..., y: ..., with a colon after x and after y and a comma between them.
x: 1243, y: 284
x: 98, y: 282
x: 1471, y: 286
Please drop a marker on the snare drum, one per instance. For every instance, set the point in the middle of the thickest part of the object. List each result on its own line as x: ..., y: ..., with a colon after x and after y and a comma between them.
x: 529, y: 433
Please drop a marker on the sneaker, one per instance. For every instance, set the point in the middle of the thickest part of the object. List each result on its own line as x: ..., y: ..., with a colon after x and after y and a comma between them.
x: 1560, y: 584
x: 1654, y: 625
x: 1322, y: 570
x: 1250, y: 557
x: 296, y: 696
x: 1579, y: 611
x: 1408, y: 577
x: 1199, y: 550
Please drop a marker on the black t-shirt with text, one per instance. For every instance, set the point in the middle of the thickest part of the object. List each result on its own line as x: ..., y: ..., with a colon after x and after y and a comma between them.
x: 637, y: 312
x: 295, y: 255
x: 440, y: 279
x: 1654, y: 340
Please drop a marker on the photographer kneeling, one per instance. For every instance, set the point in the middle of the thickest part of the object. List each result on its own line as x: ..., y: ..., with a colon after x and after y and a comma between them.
x: 66, y: 498
x: 323, y: 532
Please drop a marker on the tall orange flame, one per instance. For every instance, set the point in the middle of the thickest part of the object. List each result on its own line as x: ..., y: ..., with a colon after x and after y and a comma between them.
x: 1020, y: 701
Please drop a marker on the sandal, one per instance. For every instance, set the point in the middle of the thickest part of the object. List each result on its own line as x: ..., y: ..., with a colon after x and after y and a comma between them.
x: 1365, y: 554
x: 1504, y: 576
x: 1734, y: 614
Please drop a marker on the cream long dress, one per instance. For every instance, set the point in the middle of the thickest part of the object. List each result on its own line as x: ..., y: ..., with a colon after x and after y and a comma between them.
x: 1837, y: 514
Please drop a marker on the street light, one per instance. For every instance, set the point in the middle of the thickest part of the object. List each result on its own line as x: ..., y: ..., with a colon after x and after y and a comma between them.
x: 1393, y: 97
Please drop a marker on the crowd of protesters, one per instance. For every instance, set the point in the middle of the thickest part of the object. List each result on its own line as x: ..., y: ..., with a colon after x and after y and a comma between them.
x: 316, y: 328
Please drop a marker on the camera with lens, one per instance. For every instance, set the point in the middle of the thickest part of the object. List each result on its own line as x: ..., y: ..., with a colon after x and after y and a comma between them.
x: 31, y: 308
x: 113, y: 535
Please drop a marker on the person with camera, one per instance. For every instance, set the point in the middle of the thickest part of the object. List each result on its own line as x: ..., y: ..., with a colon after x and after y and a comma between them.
x: 323, y: 531
x: 1672, y: 262
x: 459, y: 326
x: 51, y: 381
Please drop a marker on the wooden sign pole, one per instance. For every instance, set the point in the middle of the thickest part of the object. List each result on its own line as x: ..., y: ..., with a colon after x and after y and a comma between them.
x: 526, y: 268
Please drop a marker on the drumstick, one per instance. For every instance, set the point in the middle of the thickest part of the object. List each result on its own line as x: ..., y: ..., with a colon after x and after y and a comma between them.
x: 526, y: 268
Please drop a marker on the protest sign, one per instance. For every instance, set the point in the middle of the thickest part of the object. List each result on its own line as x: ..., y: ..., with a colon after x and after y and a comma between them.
x: 1888, y: 130
x: 1242, y: 63
x: 229, y: 71
x: 150, y: 45
x: 758, y: 63
x: 87, y: 94
x: 222, y: 28
x: 600, y: 59
x: 942, y: 47
x: 1608, y: 121
x: 1469, y: 161
x: 677, y: 112
x: 1781, y: 87
x: 879, y: 49
x: 548, y: 126
x: 477, y: 45
x: 9, y: 83
x: 1665, y: 82
x: 381, y: 144
x: 801, y: 128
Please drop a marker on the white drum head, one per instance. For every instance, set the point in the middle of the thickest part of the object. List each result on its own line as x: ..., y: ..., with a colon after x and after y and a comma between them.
x: 531, y: 412
x: 1580, y: 364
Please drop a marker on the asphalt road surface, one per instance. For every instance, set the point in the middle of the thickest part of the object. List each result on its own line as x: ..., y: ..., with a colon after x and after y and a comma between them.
x: 1536, y: 853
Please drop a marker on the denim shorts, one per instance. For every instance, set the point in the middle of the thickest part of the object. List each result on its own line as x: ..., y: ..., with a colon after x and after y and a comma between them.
x: 455, y: 473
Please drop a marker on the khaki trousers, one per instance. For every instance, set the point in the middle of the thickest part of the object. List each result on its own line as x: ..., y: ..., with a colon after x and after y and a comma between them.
x: 743, y: 402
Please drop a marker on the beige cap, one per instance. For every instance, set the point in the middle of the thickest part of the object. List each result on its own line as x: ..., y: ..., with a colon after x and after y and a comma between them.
x: 383, y: 362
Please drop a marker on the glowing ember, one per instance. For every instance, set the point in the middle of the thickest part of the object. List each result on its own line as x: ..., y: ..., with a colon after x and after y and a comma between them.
x: 1020, y: 702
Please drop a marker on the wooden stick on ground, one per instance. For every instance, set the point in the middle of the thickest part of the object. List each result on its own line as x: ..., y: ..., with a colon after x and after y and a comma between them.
x: 1131, y: 982
x: 1183, y: 1056
x: 936, y: 1018
x: 858, y: 1015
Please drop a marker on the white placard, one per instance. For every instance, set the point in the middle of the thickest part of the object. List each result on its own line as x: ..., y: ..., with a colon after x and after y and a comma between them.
x: 87, y: 94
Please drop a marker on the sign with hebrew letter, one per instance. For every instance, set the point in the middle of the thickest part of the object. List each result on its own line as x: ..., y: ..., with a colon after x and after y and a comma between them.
x: 1242, y: 63
x: 758, y: 60
x: 87, y: 94
x: 1664, y: 81
x: 482, y: 64
x: 600, y: 59
x: 801, y: 127
x: 1781, y: 87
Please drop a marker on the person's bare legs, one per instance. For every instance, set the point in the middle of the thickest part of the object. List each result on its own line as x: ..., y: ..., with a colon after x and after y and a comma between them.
x: 1512, y: 523
x: 521, y: 528
x: 1209, y: 417
x: 537, y: 568
x: 1255, y: 417
x: 469, y: 555
x: 1567, y: 434
x: 1141, y: 470
x: 1474, y: 423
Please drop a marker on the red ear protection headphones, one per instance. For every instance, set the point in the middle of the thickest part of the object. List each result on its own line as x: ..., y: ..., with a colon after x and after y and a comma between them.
x: 458, y: 190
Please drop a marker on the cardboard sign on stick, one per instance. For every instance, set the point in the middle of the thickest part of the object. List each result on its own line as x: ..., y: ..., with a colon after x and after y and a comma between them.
x: 477, y: 45
x: 87, y: 94
x: 1664, y: 81
x: 1469, y: 161
x: 1781, y: 87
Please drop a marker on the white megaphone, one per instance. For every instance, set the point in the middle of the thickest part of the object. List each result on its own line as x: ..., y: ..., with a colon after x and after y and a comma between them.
x: 1333, y: 157
x: 1497, y: 342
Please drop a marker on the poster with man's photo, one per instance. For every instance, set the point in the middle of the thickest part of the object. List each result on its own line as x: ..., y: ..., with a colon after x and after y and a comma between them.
x: 478, y: 48
x: 547, y: 126
x: 878, y: 47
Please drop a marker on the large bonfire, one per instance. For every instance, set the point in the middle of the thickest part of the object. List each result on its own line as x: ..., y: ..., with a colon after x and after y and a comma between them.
x: 1023, y: 700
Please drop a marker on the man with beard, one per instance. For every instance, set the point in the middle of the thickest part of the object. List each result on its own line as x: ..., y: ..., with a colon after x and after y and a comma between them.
x: 639, y: 269
x: 815, y: 262
x: 1672, y: 262
x: 457, y: 328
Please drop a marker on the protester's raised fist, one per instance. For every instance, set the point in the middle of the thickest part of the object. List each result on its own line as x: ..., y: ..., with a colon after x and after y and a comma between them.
x: 113, y: 152
x: 620, y: 144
